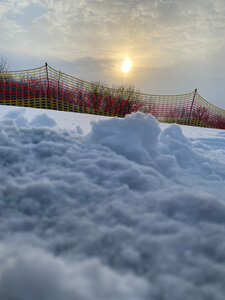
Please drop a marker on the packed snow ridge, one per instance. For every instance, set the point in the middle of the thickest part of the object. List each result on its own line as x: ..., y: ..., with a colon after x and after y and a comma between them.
x: 130, y: 210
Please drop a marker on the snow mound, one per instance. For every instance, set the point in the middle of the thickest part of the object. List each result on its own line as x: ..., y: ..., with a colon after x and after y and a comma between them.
x: 17, y: 117
x: 129, y: 211
x: 139, y: 138
x: 35, y: 274
x: 135, y: 137
x: 42, y: 120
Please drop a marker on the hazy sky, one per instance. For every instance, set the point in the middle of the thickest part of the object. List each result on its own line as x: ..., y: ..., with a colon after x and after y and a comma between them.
x: 175, y: 45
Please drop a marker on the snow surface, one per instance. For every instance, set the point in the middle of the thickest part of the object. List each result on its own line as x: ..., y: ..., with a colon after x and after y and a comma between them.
x: 108, y: 208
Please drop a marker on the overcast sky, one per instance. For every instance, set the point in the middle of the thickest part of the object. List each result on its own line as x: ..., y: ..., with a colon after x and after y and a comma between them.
x: 175, y: 45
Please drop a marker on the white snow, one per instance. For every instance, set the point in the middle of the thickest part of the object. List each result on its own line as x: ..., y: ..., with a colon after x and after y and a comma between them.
x: 106, y: 208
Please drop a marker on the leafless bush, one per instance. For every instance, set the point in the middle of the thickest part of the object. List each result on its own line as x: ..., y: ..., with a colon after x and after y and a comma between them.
x: 201, y: 113
x: 177, y: 115
x: 128, y: 99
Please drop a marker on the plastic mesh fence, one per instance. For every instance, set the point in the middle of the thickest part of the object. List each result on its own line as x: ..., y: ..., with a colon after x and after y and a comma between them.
x: 47, y: 88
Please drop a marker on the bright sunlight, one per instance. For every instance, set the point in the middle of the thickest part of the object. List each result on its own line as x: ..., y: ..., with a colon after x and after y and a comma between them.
x: 126, y: 65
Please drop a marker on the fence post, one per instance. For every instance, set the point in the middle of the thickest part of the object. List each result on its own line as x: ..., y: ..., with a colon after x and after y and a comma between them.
x: 193, y: 100
x: 47, y: 93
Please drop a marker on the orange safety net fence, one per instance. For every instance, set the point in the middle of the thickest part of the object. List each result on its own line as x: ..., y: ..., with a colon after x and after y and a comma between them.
x: 47, y: 88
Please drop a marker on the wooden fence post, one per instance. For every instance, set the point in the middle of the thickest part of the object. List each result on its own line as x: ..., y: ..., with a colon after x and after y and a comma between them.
x: 193, y: 100
x: 47, y: 93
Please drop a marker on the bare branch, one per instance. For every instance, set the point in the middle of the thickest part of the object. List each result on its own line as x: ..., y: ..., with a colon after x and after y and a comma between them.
x: 3, y: 64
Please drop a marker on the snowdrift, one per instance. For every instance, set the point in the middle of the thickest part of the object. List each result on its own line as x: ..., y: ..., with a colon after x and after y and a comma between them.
x: 127, y: 211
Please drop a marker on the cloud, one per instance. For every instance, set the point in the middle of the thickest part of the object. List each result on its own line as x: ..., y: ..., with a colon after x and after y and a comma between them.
x: 174, y: 28
x: 119, y: 25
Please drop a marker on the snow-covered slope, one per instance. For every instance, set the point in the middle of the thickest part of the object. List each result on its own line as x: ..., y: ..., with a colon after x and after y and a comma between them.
x: 110, y: 209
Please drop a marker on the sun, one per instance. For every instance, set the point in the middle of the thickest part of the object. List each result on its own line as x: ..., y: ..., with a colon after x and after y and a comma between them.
x: 126, y: 66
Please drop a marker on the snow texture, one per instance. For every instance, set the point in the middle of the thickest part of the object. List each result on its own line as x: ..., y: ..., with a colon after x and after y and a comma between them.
x: 132, y: 210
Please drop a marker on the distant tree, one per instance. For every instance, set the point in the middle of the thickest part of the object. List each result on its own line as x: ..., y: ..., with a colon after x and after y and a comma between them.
x: 3, y: 69
x: 128, y: 99
x: 119, y: 100
x: 98, y: 96
x: 3, y: 64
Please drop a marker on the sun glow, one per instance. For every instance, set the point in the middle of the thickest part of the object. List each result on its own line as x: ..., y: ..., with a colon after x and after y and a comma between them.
x: 126, y: 65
